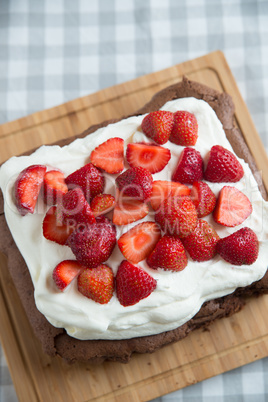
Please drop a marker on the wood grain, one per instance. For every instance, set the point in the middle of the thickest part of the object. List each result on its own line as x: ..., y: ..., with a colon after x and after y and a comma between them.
x: 229, y: 343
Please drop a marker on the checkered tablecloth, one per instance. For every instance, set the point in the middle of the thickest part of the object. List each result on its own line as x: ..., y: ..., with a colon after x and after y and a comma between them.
x: 52, y: 51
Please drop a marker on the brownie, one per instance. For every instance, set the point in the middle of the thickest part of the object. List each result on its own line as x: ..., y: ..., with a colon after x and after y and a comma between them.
x: 55, y: 341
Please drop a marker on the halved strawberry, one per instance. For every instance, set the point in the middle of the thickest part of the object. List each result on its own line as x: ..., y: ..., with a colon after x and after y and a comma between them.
x: 139, y: 241
x: 27, y: 188
x: 185, y: 128
x: 163, y: 189
x: 133, y: 284
x: 168, y: 254
x: 54, y: 187
x: 223, y: 166
x: 135, y: 182
x: 65, y: 272
x: 128, y: 210
x: 54, y: 229
x: 109, y: 155
x: 203, y: 198
x: 158, y: 125
x: 232, y: 207
x: 149, y: 156
x: 189, y: 167
x: 102, y: 204
x: 97, y: 283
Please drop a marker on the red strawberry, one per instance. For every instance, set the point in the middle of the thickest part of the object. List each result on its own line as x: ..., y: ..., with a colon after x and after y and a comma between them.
x: 201, y: 243
x: 89, y: 179
x: 135, y: 182
x: 185, y: 128
x: 158, y: 125
x: 232, y: 207
x: 102, y: 203
x: 133, y: 284
x: 109, y: 155
x: 239, y: 248
x: 189, y: 168
x: 163, y: 189
x: 203, y: 198
x: 139, y: 241
x: 93, y: 245
x: 74, y: 209
x: 97, y: 283
x: 168, y: 254
x: 129, y: 210
x: 65, y: 272
x: 177, y: 216
x: 27, y: 188
x: 54, y: 229
x: 149, y: 156
x: 54, y: 187
x: 223, y: 166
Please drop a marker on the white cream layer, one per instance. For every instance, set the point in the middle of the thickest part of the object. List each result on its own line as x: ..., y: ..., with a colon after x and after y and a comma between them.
x: 178, y: 296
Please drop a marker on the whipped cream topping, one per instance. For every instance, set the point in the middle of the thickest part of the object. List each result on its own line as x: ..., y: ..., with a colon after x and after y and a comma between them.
x: 178, y: 295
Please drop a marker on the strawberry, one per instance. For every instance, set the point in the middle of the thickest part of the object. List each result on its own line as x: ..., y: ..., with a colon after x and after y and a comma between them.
x: 97, y: 283
x: 102, y: 203
x: 239, y: 248
x: 133, y: 284
x: 223, y: 166
x: 65, y: 272
x: 53, y: 227
x: 185, y: 128
x: 158, y: 125
x: 177, y: 216
x: 109, y: 155
x: 54, y: 187
x: 93, y: 245
x: 128, y: 210
x: 189, y: 168
x: 89, y: 179
x: 27, y: 188
x: 203, y: 198
x: 139, y: 241
x: 163, y: 189
x: 74, y: 209
x: 149, y: 156
x: 135, y: 182
x: 168, y: 254
x: 232, y: 207
x: 201, y: 243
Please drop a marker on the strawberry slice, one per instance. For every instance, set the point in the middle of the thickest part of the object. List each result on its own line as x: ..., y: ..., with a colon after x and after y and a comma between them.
x: 239, y: 248
x: 223, y: 166
x: 54, y: 187
x: 97, y: 283
x: 109, y: 155
x: 158, y: 125
x: 135, y: 182
x: 27, y: 188
x: 189, y: 168
x: 149, y: 156
x: 102, y: 204
x: 232, y: 207
x: 185, y: 128
x: 128, y: 210
x: 203, y: 198
x: 54, y: 229
x: 65, y: 272
x: 133, y: 284
x: 139, y: 241
x: 169, y: 254
x: 163, y: 189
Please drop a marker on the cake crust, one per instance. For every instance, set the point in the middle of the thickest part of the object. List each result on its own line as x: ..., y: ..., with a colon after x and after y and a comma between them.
x: 55, y: 341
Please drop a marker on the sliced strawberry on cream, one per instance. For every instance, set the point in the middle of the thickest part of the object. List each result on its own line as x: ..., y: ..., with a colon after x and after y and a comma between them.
x: 109, y: 156
x: 54, y: 187
x: 149, y: 156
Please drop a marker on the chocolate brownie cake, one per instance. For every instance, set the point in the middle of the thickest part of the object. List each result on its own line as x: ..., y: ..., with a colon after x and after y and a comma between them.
x: 139, y: 327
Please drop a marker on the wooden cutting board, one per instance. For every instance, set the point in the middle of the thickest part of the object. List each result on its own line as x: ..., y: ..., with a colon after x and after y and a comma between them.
x: 228, y: 344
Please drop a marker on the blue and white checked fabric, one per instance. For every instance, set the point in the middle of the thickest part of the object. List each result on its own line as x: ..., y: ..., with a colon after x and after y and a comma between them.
x: 53, y: 51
